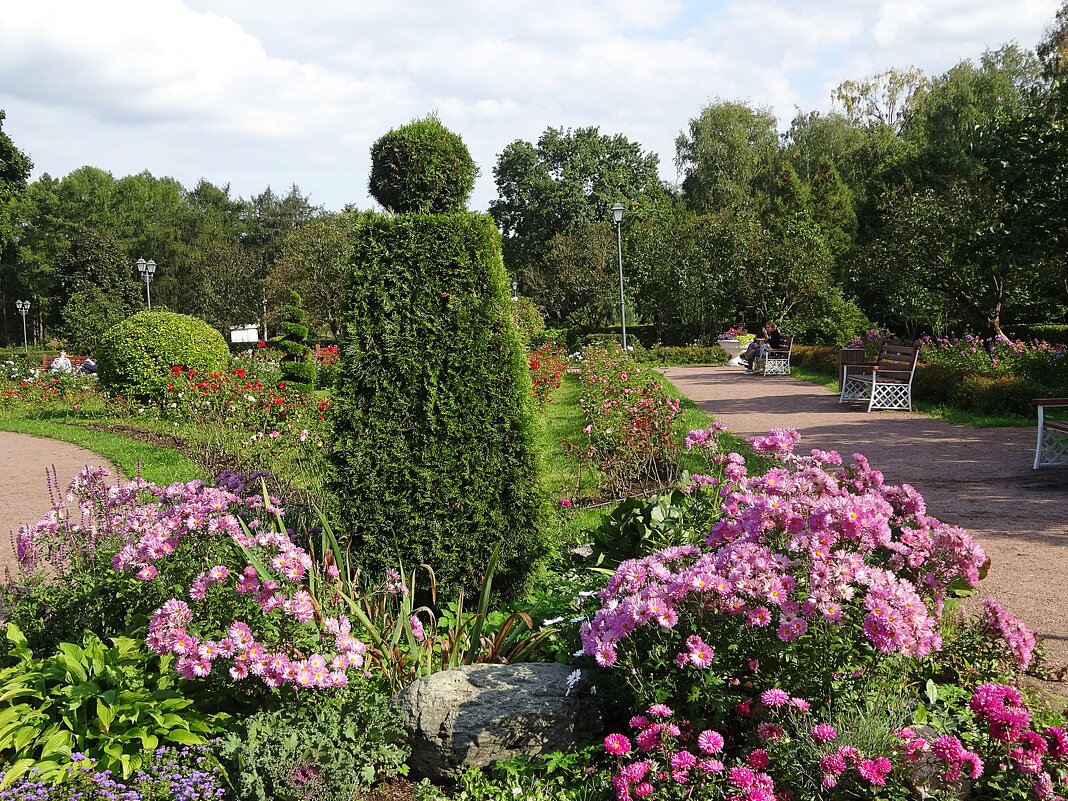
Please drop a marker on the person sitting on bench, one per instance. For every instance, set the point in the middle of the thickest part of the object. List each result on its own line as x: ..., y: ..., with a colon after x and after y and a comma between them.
x: 772, y: 340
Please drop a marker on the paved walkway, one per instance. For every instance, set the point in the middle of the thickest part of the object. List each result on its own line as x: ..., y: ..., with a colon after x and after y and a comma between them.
x: 24, y: 494
x: 977, y: 478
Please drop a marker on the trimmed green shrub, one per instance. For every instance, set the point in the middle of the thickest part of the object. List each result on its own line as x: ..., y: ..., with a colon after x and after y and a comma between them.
x: 298, y: 369
x: 422, y: 167
x: 1000, y: 395
x: 817, y: 358
x: 136, y: 356
x: 434, y: 456
x: 936, y: 383
x: 671, y: 356
x: 827, y: 319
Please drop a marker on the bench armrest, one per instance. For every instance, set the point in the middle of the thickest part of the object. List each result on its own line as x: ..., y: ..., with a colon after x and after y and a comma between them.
x: 1050, y: 401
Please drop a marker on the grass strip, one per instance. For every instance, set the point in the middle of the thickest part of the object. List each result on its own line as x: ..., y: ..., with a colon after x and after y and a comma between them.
x: 157, y: 464
x: 951, y: 414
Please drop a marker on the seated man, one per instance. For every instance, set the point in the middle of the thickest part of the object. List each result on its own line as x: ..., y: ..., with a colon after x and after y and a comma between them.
x: 60, y: 364
x: 88, y: 367
x: 772, y: 340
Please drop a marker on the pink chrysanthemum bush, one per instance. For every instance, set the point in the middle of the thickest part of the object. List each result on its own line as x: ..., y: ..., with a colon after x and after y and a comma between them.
x: 242, y: 608
x: 797, y: 634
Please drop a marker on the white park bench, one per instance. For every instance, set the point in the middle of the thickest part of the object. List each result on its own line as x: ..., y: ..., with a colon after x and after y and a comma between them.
x: 1052, y: 447
x: 777, y: 360
x: 885, y: 383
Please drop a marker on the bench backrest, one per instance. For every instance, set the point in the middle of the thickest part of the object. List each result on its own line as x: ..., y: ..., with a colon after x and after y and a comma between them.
x: 75, y: 361
x: 898, y: 361
x: 786, y: 346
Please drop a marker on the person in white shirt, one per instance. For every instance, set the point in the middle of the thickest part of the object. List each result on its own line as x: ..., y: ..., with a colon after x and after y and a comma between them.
x: 60, y: 364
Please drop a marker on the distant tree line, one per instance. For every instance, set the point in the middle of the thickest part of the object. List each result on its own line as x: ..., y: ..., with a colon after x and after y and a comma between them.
x: 921, y: 203
x: 924, y: 203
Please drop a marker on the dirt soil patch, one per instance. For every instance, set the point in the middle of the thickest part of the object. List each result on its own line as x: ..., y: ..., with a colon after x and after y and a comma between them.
x: 978, y: 478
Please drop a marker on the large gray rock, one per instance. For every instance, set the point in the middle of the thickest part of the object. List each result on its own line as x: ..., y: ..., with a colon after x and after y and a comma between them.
x: 480, y: 714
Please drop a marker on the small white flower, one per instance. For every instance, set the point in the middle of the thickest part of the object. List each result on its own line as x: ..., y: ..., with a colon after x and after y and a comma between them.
x: 553, y: 621
x: 579, y: 652
x: 572, y: 679
x: 517, y: 791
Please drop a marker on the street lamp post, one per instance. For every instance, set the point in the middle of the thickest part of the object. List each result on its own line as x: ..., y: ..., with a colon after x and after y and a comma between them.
x: 617, y: 215
x: 24, y: 308
x: 147, y: 270
x: 515, y: 292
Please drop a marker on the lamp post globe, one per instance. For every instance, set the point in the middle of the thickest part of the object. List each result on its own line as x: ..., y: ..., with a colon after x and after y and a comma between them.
x: 23, y: 307
x: 617, y: 217
x: 147, y: 270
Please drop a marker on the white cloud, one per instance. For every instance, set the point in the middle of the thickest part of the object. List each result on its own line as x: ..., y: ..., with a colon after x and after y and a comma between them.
x: 266, y: 91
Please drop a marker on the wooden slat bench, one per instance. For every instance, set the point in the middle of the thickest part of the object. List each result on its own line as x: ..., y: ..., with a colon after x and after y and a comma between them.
x: 777, y: 360
x: 1052, y: 447
x: 884, y: 384
x: 75, y: 361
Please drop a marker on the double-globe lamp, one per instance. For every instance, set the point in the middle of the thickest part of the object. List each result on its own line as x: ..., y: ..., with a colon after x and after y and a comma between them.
x: 147, y: 269
x: 24, y: 308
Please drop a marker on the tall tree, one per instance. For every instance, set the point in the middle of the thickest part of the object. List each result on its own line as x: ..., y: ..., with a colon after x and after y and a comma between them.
x: 886, y: 99
x: 568, y: 180
x: 725, y: 150
x: 15, y: 169
x: 313, y: 262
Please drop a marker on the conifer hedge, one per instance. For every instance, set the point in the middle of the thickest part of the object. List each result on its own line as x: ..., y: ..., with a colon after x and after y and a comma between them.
x: 434, y: 457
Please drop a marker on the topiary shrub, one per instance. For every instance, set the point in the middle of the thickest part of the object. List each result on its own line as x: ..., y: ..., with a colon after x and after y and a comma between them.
x: 434, y: 457
x: 298, y: 369
x: 422, y: 167
x: 136, y: 356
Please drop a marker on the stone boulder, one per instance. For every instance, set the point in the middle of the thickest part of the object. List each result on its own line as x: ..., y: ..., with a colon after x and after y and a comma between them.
x: 476, y: 715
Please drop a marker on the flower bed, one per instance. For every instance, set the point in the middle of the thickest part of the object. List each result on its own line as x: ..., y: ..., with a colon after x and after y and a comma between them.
x: 629, y: 419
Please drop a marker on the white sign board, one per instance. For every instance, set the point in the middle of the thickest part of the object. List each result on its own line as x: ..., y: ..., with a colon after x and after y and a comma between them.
x: 245, y: 333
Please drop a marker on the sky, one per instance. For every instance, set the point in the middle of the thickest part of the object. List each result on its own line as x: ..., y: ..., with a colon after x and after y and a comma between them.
x: 257, y: 93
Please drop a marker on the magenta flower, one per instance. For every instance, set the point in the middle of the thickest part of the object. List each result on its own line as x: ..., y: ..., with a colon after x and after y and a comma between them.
x: 617, y: 744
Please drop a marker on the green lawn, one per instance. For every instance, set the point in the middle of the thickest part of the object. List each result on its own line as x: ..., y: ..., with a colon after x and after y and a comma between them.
x: 157, y: 464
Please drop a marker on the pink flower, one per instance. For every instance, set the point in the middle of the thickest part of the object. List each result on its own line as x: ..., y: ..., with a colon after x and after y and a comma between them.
x: 566, y: 503
x: 660, y: 711
x: 824, y: 733
x: 617, y: 744
x: 710, y: 742
x: 774, y: 698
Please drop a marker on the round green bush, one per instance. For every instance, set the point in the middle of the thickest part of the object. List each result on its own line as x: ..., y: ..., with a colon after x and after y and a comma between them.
x: 422, y: 167
x: 136, y: 357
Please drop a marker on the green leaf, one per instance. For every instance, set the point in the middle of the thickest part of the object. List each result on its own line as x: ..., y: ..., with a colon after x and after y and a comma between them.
x: 183, y: 737
x: 931, y: 691
x: 105, y: 714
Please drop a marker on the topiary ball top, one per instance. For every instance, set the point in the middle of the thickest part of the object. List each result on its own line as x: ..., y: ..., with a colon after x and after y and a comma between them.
x: 137, y: 356
x: 422, y: 167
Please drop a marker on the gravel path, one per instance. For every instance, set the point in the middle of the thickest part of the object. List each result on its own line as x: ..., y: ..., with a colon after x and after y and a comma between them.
x: 977, y: 478
x: 24, y: 494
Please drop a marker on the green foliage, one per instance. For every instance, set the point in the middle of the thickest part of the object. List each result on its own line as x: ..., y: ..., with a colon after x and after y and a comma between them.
x: 137, y: 355
x: 723, y: 152
x: 564, y: 183
x: 530, y: 321
x: 328, y: 747
x: 422, y: 167
x: 638, y: 527
x: 555, y: 776
x: 111, y: 703
x: 827, y: 319
x: 1000, y: 394
x: 88, y: 315
x: 669, y: 355
x: 434, y: 456
x: 298, y: 369
x: 313, y: 261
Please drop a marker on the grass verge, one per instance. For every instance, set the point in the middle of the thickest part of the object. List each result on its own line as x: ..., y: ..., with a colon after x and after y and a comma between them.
x: 950, y: 414
x: 157, y: 464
